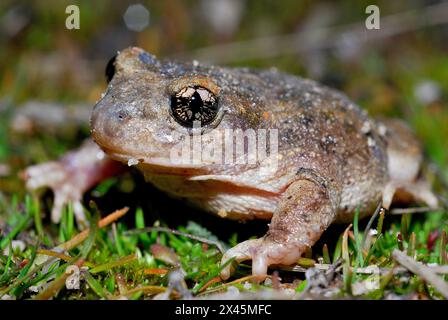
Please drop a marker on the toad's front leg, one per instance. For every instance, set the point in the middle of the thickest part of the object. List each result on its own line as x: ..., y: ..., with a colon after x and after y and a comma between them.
x: 71, y: 176
x: 304, y: 212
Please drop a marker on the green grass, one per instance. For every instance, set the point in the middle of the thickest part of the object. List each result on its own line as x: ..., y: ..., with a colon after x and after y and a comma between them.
x: 121, y: 263
x: 109, y: 253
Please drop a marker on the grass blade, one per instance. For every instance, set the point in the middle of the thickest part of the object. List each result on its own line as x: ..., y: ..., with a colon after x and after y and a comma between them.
x: 337, y: 250
x: 326, y: 254
x: 347, y: 273
x: 358, y: 239
x: 91, y: 238
x: 140, y: 224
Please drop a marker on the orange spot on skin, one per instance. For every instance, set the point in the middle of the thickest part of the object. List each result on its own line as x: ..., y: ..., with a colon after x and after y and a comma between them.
x: 266, y: 115
x: 202, y: 81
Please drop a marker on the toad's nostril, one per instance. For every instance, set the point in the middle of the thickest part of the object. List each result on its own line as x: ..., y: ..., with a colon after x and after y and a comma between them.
x: 122, y: 115
x: 106, y: 122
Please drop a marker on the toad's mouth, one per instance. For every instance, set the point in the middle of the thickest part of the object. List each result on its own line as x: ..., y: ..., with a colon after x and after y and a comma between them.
x: 155, y: 164
x: 146, y: 158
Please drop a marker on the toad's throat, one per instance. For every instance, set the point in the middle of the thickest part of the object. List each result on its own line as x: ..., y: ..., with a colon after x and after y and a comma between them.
x: 204, y: 187
x: 195, y: 181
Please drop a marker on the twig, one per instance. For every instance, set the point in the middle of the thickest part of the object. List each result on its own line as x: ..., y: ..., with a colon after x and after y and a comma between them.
x: 422, y: 271
x: 61, y: 256
x: 54, y: 254
x: 80, y: 237
x: 157, y: 271
x: 209, y: 283
x: 398, y: 211
x: 224, y: 285
x: 179, y: 233
x: 324, y: 267
x: 147, y: 290
x: 369, y: 224
x: 439, y: 269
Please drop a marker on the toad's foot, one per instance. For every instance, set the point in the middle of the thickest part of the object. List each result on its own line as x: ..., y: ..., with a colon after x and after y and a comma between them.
x: 407, y: 192
x: 303, y: 213
x: 405, y: 160
x: 55, y: 176
x: 71, y: 176
x: 263, y: 253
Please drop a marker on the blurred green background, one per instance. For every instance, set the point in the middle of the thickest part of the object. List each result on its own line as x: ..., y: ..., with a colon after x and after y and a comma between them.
x: 399, y: 70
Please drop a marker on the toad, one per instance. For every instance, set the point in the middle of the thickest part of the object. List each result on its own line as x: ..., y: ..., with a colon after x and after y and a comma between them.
x: 327, y: 157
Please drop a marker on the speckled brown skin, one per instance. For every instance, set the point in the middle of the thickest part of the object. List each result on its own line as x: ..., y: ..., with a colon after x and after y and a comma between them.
x: 332, y: 158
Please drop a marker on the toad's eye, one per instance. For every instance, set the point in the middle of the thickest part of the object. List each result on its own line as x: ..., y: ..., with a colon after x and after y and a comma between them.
x: 194, y: 103
x: 110, y: 69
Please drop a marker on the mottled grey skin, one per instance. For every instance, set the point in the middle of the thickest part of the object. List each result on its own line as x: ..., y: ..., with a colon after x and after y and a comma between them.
x: 332, y: 157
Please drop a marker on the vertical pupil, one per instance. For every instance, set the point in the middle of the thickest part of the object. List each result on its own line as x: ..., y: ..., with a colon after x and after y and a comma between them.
x: 196, y: 103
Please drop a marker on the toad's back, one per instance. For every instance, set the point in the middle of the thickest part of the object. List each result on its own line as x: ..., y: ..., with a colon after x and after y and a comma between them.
x: 324, y: 134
